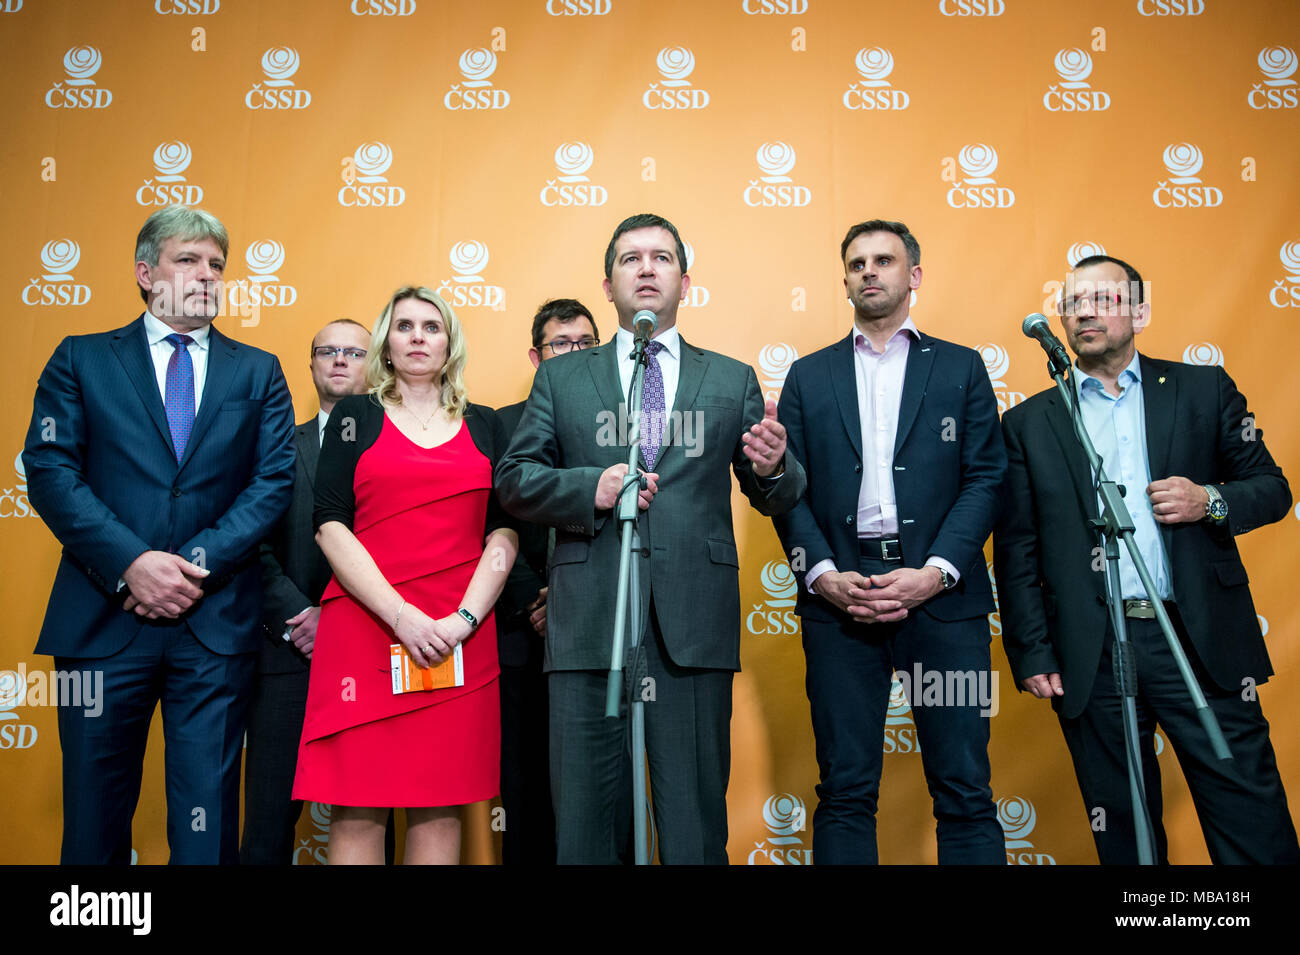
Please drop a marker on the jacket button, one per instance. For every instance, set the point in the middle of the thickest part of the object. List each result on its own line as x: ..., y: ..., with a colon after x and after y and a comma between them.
x: 849, y: 519
x: 857, y: 469
x: 176, y: 492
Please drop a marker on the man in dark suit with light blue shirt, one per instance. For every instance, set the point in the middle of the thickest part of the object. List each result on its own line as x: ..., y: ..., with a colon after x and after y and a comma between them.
x: 159, y: 455
x: 898, y: 432
x: 1181, y: 441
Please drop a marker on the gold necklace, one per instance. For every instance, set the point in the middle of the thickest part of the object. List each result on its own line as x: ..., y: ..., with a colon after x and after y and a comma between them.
x: 424, y: 425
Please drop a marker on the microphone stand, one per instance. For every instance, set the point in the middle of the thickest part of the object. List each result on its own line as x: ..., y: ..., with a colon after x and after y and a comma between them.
x: 1116, y: 524
x: 627, y: 612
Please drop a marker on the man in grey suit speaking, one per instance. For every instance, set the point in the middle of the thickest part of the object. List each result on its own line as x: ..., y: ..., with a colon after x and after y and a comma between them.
x: 565, y: 466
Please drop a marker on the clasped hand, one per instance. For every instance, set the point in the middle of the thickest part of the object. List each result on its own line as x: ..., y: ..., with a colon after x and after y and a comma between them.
x: 162, y: 585
x: 881, y: 598
x: 427, y: 640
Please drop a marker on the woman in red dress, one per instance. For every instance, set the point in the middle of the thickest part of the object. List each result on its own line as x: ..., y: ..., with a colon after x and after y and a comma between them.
x: 420, y: 551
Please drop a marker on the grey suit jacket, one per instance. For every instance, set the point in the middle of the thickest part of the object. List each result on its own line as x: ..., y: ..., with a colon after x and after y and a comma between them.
x: 570, y: 433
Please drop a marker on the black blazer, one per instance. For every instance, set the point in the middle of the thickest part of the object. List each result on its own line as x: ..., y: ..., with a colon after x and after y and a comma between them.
x: 355, y: 424
x: 294, y: 571
x: 1053, y: 603
x: 528, y: 575
x: 948, y: 464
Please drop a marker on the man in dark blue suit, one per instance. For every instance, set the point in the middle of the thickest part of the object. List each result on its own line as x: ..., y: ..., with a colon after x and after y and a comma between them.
x: 898, y: 433
x: 159, y: 454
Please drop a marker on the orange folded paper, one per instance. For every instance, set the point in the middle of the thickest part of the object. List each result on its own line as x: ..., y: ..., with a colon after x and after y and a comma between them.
x: 409, y: 678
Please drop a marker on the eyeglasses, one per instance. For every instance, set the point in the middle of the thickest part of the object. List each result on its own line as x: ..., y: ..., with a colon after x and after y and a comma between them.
x: 330, y: 352
x: 1103, y: 303
x: 561, y: 345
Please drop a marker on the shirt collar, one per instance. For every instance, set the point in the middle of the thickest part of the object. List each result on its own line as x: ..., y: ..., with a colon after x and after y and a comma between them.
x: 907, y: 328
x: 321, y: 418
x: 156, y: 330
x: 1132, y: 373
x: 670, y: 338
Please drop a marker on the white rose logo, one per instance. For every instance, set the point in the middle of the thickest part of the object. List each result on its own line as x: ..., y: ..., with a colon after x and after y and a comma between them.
x: 279, y: 63
x: 1017, y: 818
x: 477, y: 65
x: 1277, y: 63
x: 874, y: 63
x: 171, y: 159
x: 264, y: 257
x: 1082, y: 250
x: 779, y: 583
x: 996, y: 362
x: 675, y: 64
x: 898, y: 708
x: 784, y: 814
x: 1183, y: 160
x: 774, y: 360
x: 1074, y: 65
x: 81, y: 63
x: 978, y: 162
x: 60, y: 257
x: 572, y: 160
x: 1290, y: 256
x: 775, y: 159
x: 373, y: 160
x: 1203, y: 353
x: 468, y: 259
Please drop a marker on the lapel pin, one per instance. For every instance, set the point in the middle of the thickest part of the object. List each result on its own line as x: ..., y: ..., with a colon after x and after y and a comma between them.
x: 1162, y: 379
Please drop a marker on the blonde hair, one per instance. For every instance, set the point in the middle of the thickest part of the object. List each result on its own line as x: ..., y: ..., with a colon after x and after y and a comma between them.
x: 380, y: 376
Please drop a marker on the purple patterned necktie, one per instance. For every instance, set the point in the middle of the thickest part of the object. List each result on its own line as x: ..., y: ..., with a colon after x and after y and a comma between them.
x: 180, y: 392
x: 652, y: 406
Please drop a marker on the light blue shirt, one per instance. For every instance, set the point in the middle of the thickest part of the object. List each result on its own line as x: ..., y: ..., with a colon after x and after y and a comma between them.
x: 1117, y: 426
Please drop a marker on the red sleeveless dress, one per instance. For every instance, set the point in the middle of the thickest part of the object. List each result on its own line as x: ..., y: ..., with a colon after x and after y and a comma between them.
x: 420, y: 514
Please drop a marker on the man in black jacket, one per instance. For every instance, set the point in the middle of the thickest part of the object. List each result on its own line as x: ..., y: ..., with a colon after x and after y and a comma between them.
x: 560, y: 326
x: 294, y: 575
x: 1180, y: 439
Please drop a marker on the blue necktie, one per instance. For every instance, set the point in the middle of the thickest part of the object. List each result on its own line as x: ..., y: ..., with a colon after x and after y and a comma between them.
x: 652, y: 406
x: 180, y: 392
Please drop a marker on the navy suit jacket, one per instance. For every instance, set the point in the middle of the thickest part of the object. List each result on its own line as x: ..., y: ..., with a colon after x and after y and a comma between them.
x: 103, y: 475
x: 948, y: 461
x: 1053, y: 601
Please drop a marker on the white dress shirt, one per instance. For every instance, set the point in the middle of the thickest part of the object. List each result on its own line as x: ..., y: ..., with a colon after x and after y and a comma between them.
x: 322, y: 417
x: 879, y: 376
x: 161, y: 351
x: 670, y: 362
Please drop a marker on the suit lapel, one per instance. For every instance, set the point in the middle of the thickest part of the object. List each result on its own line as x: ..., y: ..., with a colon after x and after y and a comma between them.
x: 844, y: 384
x: 691, y: 365
x: 1076, y: 462
x: 1159, y: 401
x: 309, y: 448
x: 604, y: 374
x: 222, y: 362
x: 1159, y: 408
x: 920, y: 359
x: 132, y: 348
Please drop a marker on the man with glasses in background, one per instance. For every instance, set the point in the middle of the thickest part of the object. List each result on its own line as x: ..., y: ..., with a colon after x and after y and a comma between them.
x: 294, y: 575
x: 561, y: 326
x: 1179, y: 438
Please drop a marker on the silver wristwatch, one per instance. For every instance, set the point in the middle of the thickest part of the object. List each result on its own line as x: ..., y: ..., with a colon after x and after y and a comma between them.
x: 1216, y: 508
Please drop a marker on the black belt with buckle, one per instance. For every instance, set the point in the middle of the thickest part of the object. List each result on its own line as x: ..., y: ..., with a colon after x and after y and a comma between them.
x: 1144, y: 609
x: 880, y: 548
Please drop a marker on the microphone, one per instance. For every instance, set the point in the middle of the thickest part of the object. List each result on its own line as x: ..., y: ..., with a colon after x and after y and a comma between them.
x: 1036, y: 326
x: 644, y: 324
